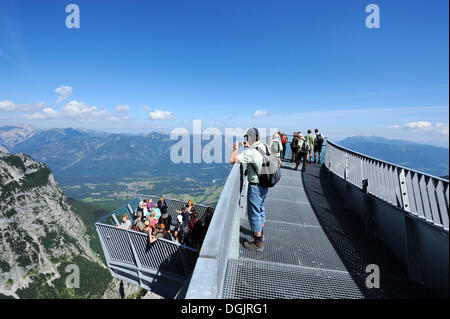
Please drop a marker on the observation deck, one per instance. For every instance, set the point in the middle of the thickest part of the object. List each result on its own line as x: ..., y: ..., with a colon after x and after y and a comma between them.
x: 326, y: 229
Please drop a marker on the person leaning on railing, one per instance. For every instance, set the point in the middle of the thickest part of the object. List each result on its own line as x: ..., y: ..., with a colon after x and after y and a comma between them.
x: 126, y: 223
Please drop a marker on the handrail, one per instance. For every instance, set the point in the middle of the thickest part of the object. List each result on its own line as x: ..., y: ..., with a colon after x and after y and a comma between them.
x: 419, y: 194
x: 127, y: 247
x: 209, y: 273
x: 386, y: 162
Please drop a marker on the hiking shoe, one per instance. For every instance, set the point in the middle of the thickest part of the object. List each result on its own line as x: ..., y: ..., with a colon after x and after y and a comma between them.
x: 254, y: 246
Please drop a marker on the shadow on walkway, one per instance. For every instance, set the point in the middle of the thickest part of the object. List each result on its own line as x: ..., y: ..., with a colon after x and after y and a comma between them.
x: 356, y: 249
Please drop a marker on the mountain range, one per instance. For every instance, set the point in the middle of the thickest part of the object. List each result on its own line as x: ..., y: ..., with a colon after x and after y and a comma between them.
x: 95, y: 165
x: 110, y: 168
x: 424, y: 158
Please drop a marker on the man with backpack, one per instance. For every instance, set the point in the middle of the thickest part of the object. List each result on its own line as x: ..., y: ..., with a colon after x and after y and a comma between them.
x: 303, y: 149
x: 276, y: 147
x: 262, y: 172
x: 294, y: 147
x: 318, y: 142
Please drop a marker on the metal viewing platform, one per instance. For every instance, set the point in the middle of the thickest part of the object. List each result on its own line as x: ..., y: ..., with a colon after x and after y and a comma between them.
x: 324, y: 227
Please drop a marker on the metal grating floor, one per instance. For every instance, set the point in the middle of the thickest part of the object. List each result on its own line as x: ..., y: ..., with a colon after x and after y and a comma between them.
x: 313, y: 248
x: 285, y: 281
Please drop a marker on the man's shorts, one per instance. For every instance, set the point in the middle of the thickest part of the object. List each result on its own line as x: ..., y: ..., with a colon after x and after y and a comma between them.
x: 318, y: 148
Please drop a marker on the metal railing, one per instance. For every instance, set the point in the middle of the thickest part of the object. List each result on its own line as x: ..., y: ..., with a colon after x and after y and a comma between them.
x: 419, y: 194
x: 208, y: 277
x: 160, y: 266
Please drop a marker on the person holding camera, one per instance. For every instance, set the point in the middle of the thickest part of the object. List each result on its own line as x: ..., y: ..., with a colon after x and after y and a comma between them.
x: 256, y: 193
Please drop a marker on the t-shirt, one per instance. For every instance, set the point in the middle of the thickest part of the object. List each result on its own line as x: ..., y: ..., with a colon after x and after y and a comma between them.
x: 254, y: 159
x: 126, y: 224
x: 310, y: 139
x: 139, y: 225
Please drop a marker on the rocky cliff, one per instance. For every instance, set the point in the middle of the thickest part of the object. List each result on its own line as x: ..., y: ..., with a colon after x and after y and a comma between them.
x: 40, y: 236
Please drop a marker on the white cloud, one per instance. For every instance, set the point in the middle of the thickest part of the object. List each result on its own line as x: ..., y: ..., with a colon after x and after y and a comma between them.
x: 419, y: 125
x: 34, y: 116
x: 63, y: 91
x: 51, y: 113
x: 160, y: 115
x: 148, y: 108
x: 9, y: 106
x: 79, y: 110
x: 47, y: 113
x: 260, y: 114
x: 122, y: 109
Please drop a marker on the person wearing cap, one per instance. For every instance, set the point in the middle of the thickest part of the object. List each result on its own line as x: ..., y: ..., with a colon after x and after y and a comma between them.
x: 256, y: 194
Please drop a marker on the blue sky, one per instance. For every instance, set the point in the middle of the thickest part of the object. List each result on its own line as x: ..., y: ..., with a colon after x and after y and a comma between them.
x: 139, y: 66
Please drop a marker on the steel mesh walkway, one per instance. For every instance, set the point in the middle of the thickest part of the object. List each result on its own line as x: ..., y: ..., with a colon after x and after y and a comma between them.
x: 313, y: 248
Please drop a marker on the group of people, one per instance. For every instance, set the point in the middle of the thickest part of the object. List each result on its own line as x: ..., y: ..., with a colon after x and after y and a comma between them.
x: 154, y: 220
x: 299, y: 150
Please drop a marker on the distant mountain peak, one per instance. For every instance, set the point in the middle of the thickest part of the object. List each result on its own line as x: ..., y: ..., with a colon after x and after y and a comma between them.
x: 10, y: 136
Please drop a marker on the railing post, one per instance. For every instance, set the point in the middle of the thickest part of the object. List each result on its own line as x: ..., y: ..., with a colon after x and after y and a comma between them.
x: 404, y: 190
x: 136, y: 258
x: 115, y: 219
x: 346, y: 167
x: 347, y: 195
